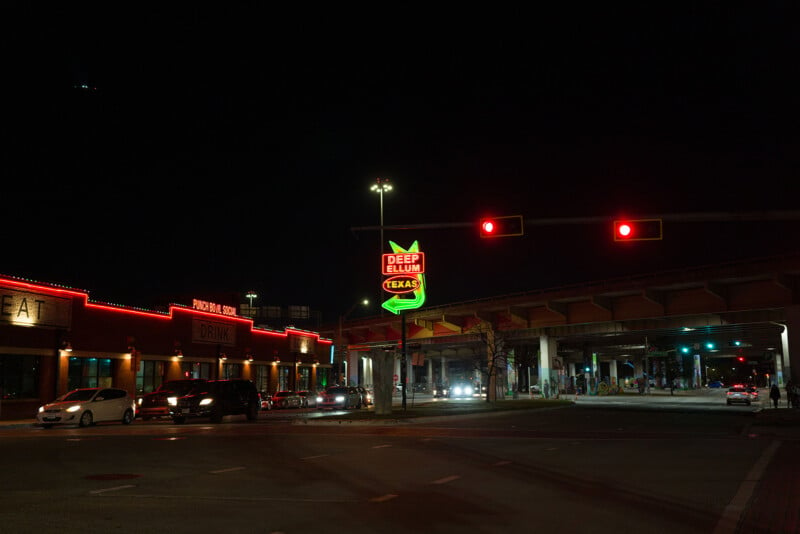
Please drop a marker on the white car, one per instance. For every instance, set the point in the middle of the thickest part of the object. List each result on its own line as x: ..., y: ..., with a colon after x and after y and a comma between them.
x: 87, y: 406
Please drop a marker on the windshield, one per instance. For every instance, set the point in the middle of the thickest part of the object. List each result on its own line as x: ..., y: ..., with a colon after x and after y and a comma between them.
x: 79, y: 395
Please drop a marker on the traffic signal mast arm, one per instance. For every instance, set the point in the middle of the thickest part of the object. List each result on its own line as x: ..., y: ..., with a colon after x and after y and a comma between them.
x: 553, y: 221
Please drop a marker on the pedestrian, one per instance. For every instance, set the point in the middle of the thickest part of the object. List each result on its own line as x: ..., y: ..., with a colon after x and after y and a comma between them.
x: 789, y: 393
x: 775, y: 394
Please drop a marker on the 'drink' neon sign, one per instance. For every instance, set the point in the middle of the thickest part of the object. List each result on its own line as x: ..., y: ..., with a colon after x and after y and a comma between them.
x: 405, y: 269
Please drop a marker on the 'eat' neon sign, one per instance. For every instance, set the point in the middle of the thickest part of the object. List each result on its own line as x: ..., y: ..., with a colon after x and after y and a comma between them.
x: 407, y: 268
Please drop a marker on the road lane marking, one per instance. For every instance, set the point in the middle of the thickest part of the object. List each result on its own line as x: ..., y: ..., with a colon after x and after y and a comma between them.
x: 501, y: 462
x: 445, y: 480
x: 218, y: 471
x: 116, y: 488
x: 732, y: 514
x: 384, y: 498
x: 312, y: 457
x: 381, y: 446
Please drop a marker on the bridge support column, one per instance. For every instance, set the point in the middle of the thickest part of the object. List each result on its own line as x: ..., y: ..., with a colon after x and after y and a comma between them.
x: 368, y: 378
x: 612, y: 370
x: 429, y: 367
x: 547, y: 351
x: 790, y: 339
x: 383, y: 365
x: 443, y: 372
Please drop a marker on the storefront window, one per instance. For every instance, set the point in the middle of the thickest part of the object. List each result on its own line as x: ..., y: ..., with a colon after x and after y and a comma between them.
x: 196, y: 370
x: 303, y: 379
x: 285, y: 377
x: 262, y: 378
x: 149, y: 376
x: 19, y: 376
x: 231, y: 370
x: 89, y: 373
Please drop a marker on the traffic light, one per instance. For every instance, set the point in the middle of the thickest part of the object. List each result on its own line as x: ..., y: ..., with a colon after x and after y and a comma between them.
x: 506, y: 226
x: 740, y: 358
x: 637, y: 230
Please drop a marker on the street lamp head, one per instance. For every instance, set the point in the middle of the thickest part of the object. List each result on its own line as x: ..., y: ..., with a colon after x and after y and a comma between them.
x: 381, y: 185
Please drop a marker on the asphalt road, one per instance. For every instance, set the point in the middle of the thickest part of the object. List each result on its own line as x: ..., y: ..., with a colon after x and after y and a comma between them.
x: 581, y: 468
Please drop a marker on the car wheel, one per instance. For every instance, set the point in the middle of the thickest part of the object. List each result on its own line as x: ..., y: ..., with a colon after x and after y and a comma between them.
x: 216, y: 417
x: 47, y: 426
x: 178, y: 420
x: 86, y: 419
x: 729, y: 403
x: 146, y: 418
x: 127, y: 418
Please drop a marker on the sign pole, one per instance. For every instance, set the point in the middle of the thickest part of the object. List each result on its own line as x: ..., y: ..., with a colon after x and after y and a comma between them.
x: 403, y: 373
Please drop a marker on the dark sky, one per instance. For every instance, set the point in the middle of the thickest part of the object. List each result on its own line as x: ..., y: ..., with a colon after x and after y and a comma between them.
x: 228, y: 149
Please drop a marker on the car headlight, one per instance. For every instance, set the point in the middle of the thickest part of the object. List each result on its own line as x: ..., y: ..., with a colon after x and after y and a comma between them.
x: 457, y: 390
x: 139, y: 401
x: 319, y: 399
x: 468, y: 390
x: 74, y: 408
x: 339, y: 398
x: 41, y: 409
x: 172, y: 401
x: 206, y: 402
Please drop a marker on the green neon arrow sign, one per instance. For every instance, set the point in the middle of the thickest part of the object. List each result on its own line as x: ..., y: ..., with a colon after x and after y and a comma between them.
x: 396, y: 304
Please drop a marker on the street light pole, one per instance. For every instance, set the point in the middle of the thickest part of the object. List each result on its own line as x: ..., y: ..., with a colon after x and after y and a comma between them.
x: 380, y: 186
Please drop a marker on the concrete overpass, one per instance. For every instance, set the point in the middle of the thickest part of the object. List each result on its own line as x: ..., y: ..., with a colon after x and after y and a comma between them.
x: 749, y: 310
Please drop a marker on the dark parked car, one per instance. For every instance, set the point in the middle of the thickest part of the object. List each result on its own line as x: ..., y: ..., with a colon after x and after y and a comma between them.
x: 286, y: 399
x: 339, y: 397
x: 216, y: 399
x: 156, y: 403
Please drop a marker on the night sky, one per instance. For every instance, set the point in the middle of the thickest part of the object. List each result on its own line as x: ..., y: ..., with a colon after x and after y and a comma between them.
x: 230, y: 149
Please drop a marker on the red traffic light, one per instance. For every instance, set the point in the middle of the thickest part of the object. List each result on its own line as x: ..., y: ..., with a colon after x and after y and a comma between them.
x: 740, y: 358
x: 637, y: 230
x: 509, y: 225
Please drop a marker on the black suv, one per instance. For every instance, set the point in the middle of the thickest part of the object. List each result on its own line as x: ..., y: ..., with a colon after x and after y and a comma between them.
x: 217, y: 398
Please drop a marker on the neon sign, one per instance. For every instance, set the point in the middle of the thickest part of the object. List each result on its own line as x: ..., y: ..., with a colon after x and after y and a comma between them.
x: 213, y: 307
x: 403, y: 263
x: 407, y: 268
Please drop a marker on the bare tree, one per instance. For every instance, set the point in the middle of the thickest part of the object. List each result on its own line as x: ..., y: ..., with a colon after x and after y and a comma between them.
x: 492, y: 362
